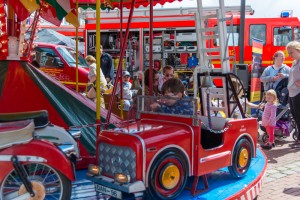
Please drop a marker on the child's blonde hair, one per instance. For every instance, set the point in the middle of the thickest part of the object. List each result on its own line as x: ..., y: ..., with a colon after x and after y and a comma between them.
x: 273, y: 93
x: 237, y: 87
x: 90, y: 58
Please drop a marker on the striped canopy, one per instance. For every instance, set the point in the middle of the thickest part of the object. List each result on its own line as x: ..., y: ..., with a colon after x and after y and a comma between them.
x: 51, y: 10
x: 116, y: 3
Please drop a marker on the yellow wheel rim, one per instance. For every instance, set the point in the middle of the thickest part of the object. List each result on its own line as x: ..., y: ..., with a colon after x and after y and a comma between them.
x: 243, y: 157
x: 170, y: 177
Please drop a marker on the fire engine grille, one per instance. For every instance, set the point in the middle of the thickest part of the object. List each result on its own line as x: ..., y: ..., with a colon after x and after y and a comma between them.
x: 117, y: 159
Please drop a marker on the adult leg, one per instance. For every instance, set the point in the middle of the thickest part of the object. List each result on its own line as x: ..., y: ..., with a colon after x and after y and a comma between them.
x: 295, y: 110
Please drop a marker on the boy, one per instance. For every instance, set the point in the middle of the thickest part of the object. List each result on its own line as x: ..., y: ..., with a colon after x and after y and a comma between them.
x: 127, y: 94
x: 168, y: 73
x: 172, y: 103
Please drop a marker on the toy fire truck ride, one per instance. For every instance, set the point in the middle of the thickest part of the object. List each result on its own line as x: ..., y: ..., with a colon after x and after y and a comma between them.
x: 156, y: 154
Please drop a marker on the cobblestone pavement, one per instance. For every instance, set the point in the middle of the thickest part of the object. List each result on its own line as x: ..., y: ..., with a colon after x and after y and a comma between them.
x: 282, y: 179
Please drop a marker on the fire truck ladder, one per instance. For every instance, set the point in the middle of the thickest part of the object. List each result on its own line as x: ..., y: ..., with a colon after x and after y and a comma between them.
x: 206, y: 54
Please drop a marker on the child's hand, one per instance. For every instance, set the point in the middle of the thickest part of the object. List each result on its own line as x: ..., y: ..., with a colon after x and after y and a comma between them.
x: 276, y: 78
x: 261, y: 106
x: 155, y: 106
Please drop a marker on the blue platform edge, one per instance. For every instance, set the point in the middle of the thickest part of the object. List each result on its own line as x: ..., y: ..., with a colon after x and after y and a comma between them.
x: 221, y: 184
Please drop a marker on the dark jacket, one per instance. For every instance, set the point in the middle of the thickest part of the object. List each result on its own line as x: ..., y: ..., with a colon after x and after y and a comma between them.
x: 107, y: 66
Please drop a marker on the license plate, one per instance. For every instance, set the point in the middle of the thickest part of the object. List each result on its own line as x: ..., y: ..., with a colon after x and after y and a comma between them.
x: 109, y: 191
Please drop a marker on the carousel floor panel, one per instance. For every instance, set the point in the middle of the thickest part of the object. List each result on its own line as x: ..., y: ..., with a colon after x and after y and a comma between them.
x: 221, y: 184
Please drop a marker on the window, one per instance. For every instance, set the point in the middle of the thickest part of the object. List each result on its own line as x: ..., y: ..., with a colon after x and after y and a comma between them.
x: 297, y: 34
x: 45, y: 56
x: 282, y: 36
x: 258, y: 31
x: 70, y: 57
x: 232, y: 35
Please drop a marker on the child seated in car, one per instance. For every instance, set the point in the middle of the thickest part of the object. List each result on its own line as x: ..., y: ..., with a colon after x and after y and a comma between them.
x: 173, y: 101
x: 127, y: 93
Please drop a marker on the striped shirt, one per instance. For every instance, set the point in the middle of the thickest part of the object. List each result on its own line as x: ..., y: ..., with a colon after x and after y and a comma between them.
x: 269, y: 115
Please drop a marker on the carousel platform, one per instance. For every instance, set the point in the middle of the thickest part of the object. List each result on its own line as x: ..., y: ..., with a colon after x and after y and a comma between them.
x: 221, y: 184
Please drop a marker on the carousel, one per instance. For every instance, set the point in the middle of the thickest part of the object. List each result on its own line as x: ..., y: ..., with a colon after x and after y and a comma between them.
x: 167, y: 160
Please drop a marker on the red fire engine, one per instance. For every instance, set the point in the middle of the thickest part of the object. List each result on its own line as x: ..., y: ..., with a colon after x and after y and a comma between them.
x: 175, y: 37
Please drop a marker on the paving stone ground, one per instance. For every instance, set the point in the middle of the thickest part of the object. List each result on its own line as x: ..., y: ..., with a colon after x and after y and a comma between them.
x: 282, y: 179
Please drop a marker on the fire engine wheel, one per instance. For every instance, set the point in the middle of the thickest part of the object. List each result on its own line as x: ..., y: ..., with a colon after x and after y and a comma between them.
x: 47, y: 183
x: 167, y: 176
x: 241, y: 158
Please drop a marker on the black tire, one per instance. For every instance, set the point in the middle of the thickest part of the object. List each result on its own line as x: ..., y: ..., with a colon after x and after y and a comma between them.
x: 241, y: 158
x: 265, y: 138
x: 168, y: 175
x: 50, y: 183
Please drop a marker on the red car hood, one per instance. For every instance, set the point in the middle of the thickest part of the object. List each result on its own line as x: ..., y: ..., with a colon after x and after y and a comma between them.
x: 153, y: 130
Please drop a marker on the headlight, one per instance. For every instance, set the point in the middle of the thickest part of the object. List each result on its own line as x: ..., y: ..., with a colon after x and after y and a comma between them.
x: 94, y: 170
x: 122, y: 178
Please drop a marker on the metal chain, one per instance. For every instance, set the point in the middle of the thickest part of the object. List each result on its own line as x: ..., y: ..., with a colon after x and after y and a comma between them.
x: 217, y: 132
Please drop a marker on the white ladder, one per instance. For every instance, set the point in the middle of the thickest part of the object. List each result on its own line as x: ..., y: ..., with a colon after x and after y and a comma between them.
x: 207, y: 54
x: 218, y: 32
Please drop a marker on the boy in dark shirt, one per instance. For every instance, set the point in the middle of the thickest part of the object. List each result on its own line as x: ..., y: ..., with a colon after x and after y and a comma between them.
x: 173, y: 102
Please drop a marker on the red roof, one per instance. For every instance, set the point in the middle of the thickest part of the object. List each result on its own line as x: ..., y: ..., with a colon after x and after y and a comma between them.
x: 126, y: 3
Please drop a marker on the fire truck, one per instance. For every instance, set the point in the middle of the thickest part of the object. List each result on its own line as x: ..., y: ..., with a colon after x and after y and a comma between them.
x: 175, y: 36
x: 156, y: 154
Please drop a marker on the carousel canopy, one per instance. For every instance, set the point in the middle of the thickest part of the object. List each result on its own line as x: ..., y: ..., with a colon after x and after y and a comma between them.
x: 51, y: 10
x: 111, y: 4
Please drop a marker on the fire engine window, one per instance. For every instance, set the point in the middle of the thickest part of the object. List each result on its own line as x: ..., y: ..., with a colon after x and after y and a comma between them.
x: 282, y: 36
x: 297, y: 34
x: 232, y: 34
x: 257, y: 31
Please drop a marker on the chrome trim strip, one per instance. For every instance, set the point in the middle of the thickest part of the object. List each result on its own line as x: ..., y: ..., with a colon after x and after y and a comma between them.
x: 215, y: 156
x: 76, y: 133
x: 23, y: 158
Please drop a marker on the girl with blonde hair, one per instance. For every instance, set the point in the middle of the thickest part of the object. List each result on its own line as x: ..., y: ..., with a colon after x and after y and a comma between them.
x: 269, y: 117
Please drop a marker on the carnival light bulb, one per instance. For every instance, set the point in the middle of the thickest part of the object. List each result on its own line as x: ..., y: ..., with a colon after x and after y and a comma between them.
x: 4, y: 50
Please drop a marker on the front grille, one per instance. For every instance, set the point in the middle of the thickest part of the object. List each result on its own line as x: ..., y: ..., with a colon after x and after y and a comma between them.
x: 117, y: 159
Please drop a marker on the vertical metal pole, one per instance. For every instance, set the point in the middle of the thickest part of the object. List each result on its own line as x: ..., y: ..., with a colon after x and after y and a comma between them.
x: 108, y: 115
x: 77, y: 49
x: 242, y: 31
x: 98, y: 62
x: 151, y: 49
